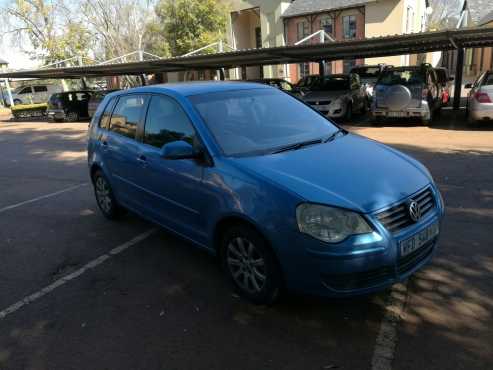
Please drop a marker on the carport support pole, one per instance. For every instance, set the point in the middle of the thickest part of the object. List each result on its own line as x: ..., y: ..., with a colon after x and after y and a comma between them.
x: 321, y: 68
x: 9, y: 92
x: 458, y: 77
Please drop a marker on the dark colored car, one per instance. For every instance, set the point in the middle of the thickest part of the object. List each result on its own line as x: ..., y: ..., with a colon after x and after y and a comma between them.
x: 95, y: 99
x: 69, y: 106
x: 368, y: 76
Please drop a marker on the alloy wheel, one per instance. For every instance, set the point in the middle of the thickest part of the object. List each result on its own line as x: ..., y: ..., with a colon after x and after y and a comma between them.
x: 246, y: 264
x: 103, y: 195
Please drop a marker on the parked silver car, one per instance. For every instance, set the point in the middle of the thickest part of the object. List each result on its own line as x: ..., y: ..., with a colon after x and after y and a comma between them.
x: 480, y: 98
x: 369, y: 75
x: 338, y: 96
x: 407, y: 92
x: 33, y: 94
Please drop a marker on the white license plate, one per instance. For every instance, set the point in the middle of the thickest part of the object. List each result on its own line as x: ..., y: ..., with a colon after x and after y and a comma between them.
x: 396, y: 114
x: 417, y: 241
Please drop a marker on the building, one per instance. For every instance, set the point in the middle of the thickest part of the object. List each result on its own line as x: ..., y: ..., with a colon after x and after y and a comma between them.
x: 476, y: 61
x: 270, y: 23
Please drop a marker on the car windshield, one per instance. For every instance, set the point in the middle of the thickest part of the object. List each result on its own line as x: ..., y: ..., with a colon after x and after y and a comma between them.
x: 308, y: 81
x: 259, y: 121
x: 332, y: 83
x: 367, y: 74
x: 401, y: 77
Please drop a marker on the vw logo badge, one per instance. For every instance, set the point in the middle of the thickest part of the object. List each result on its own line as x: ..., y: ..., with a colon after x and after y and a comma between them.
x: 414, y: 211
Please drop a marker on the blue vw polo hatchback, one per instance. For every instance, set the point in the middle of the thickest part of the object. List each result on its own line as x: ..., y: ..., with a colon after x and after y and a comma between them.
x: 284, y: 197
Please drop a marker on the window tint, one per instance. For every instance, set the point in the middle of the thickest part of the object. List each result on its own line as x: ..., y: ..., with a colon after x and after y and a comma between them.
x: 26, y: 90
x: 167, y: 122
x: 126, y: 115
x: 40, y: 89
x: 105, y: 119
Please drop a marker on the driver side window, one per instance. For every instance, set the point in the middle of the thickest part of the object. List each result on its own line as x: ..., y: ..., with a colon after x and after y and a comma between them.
x: 167, y: 122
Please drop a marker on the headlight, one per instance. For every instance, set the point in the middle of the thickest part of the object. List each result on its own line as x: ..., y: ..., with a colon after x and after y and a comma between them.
x: 336, y: 104
x: 329, y: 224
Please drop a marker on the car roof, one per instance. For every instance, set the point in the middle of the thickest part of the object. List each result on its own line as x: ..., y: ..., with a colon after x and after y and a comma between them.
x: 195, y: 88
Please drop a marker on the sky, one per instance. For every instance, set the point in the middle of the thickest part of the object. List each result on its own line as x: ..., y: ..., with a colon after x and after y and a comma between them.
x: 12, y: 53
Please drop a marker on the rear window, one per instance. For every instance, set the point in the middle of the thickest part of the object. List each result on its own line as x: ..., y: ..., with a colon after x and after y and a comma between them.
x: 127, y: 114
x: 402, y: 77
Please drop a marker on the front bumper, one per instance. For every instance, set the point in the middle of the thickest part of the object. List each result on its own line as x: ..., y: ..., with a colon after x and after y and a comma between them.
x: 330, y: 111
x: 56, y: 114
x: 360, y: 265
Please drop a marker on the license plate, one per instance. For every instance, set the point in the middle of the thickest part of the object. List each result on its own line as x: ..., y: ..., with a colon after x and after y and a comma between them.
x: 396, y: 114
x: 417, y: 241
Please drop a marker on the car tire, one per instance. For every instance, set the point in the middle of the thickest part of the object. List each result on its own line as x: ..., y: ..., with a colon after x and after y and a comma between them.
x: 104, y: 197
x: 250, y: 264
x: 72, y: 117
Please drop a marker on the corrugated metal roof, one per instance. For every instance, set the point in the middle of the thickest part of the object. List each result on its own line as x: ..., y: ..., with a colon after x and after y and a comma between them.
x: 478, y: 8
x: 488, y: 18
x: 347, y: 49
x: 301, y: 7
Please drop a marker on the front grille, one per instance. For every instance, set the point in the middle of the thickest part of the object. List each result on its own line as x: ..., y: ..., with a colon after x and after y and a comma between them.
x: 410, y: 261
x: 359, y: 280
x: 397, y: 218
x: 321, y: 102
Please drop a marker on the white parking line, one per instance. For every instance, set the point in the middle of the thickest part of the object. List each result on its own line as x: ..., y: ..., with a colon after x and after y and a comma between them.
x: 8, y: 208
x: 58, y: 283
x: 384, y: 351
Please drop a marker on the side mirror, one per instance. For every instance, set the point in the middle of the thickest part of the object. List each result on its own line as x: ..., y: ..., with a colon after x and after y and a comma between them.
x: 179, y: 150
x: 468, y: 86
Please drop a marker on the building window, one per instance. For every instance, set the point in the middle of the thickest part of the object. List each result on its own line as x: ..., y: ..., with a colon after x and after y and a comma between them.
x: 349, y: 26
x: 303, y: 30
x: 327, y: 24
x: 303, y: 70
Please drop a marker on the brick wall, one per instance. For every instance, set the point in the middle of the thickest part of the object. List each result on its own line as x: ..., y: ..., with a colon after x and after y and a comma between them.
x: 313, y: 21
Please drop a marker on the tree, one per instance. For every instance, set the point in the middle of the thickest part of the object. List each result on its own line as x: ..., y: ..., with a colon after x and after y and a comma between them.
x: 446, y: 14
x: 189, y: 24
x: 53, y: 33
x: 119, y: 26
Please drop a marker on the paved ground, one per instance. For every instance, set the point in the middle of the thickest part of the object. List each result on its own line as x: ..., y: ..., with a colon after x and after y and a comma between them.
x: 162, y: 304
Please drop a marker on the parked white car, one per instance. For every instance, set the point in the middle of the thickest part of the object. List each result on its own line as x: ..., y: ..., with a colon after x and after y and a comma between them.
x: 33, y: 94
x: 480, y: 99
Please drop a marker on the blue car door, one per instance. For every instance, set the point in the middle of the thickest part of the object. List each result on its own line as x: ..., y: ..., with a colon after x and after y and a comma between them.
x: 122, y: 150
x: 176, y: 195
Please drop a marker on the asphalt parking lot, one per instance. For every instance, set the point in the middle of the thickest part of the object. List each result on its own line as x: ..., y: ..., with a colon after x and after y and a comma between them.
x: 80, y: 292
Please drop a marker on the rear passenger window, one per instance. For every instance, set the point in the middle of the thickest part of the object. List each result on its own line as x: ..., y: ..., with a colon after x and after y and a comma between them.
x: 126, y: 115
x: 105, y: 119
x: 167, y: 122
x: 40, y: 89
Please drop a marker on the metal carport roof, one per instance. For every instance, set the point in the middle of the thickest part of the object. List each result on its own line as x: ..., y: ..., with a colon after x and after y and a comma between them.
x: 348, y: 49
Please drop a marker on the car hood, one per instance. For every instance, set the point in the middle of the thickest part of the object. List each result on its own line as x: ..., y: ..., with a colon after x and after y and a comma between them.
x: 317, y: 95
x: 350, y: 172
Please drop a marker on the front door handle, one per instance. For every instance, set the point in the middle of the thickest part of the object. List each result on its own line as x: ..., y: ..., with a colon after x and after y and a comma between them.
x: 142, y: 159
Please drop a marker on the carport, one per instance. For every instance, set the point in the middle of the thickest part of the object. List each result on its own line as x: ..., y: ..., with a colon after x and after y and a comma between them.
x: 348, y: 49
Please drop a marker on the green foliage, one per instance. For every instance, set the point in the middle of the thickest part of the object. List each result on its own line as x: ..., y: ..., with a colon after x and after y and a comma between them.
x: 190, y: 24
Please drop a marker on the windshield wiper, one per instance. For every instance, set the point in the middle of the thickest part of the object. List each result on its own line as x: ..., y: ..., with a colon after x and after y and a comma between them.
x: 334, y: 135
x: 297, y: 146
